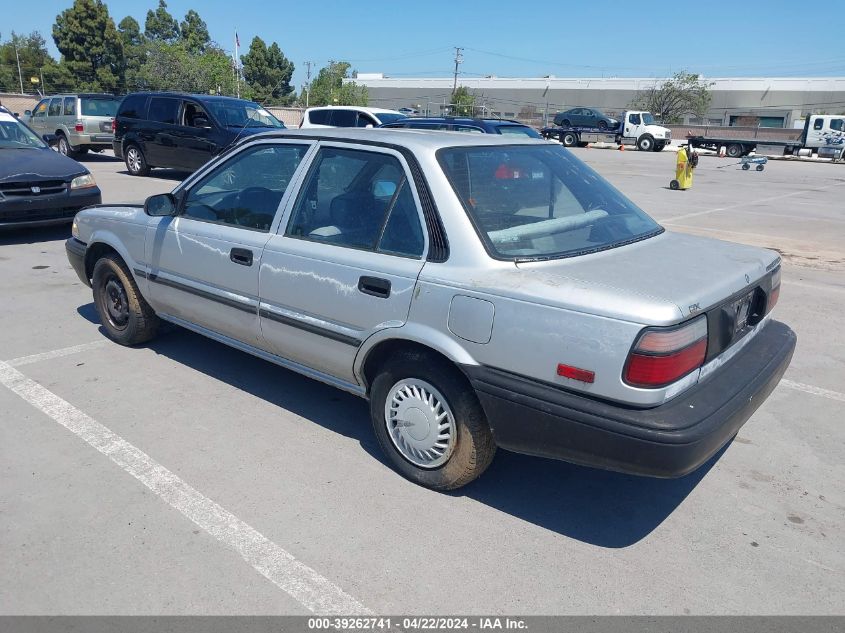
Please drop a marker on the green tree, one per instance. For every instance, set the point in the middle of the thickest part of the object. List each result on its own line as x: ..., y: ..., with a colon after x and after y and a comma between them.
x: 91, y: 47
x: 173, y: 67
x: 32, y: 51
x: 328, y: 88
x: 685, y: 93
x: 267, y: 72
x: 134, y: 51
x: 463, y: 102
x: 194, y: 32
x: 160, y: 25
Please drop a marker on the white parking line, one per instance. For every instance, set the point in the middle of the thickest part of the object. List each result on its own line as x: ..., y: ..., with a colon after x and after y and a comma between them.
x: 306, y: 586
x: 57, y: 353
x: 816, y: 391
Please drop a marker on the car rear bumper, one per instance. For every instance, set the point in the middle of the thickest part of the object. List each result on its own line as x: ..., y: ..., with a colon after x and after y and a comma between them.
x: 102, y: 140
x: 46, y: 210
x: 670, y: 440
x: 75, y: 250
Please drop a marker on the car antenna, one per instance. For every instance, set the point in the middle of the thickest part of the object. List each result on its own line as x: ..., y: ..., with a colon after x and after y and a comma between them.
x: 243, y: 127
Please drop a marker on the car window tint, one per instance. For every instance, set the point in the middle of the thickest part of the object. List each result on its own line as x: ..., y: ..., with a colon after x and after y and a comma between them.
x: 837, y: 124
x: 343, y: 118
x: 164, y: 109
x: 347, y: 199
x: 132, y: 107
x: 41, y: 108
x: 55, y: 107
x: 818, y: 124
x: 246, y: 190
x: 403, y: 234
x: 70, y: 106
x: 319, y: 117
x: 634, y: 119
x: 99, y: 106
x: 194, y: 116
x: 365, y: 119
x: 468, y: 128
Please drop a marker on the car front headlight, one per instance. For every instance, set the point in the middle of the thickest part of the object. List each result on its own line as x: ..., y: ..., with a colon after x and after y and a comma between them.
x: 82, y: 182
x: 74, y: 228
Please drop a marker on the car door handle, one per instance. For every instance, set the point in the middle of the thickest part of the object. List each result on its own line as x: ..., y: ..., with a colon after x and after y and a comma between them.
x: 375, y: 286
x: 242, y: 256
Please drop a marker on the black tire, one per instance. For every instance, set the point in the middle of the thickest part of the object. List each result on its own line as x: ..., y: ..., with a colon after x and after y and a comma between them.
x: 734, y: 150
x: 64, y: 146
x: 473, y: 449
x: 136, y: 162
x: 126, y: 316
x: 659, y: 147
x: 569, y: 139
x: 565, y: 123
x: 602, y: 125
x: 746, y: 166
x: 645, y: 143
x: 760, y: 167
x: 674, y: 185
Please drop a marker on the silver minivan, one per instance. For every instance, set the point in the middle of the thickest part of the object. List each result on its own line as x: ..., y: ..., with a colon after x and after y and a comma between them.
x: 81, y: 122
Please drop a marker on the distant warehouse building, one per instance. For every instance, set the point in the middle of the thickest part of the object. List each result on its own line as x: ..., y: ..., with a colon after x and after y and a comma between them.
x: 767, y: 102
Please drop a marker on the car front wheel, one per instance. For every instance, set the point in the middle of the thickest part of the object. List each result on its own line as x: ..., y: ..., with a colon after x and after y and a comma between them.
x: 135, y: 161
x: 126, y: 316
x: 645, y: 143
x: 64, y: 146
x: 429, y: 422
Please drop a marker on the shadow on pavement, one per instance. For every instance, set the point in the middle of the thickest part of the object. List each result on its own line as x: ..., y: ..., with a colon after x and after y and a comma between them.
x: 162, y: 174
x: 94, y: 157
x: 601, y: 508
x: 33, y: 235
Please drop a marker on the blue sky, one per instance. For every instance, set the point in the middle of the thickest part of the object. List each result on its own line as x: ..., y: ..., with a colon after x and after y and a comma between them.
x: 590, y: 39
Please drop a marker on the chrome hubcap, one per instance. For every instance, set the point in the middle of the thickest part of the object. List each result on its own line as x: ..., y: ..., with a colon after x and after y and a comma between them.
x: 134, y: 160
x: 420, y: 423
x: 117, y: 306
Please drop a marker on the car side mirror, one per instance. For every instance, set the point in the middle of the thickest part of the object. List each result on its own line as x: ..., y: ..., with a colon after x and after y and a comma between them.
x: 161, y: 205
x: 51, y: 139
x: 27, y: 112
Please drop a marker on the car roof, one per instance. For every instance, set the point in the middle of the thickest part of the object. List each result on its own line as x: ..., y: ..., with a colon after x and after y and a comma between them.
x: 415, y: 140
x: 198, y: 97
x: 359, y: 108
x: 462, y: 119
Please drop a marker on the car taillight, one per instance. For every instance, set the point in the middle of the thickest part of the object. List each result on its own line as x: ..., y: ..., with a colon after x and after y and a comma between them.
x: 663, y: 355
x: 774, y: 293
x: 113, y: 126
x: 79, y: 127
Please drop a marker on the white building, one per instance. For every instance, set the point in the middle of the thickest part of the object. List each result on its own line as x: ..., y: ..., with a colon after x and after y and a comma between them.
x: 770, y: 102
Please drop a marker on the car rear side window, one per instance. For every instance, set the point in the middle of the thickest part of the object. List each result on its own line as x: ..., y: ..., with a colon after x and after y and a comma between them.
x: 343, y: 118
x: 55, y: 107
x: 358, y: 200
x: 132, y: 107
x: 164, y: 110
x: 246, y: 190
x: 70, y: 106
x: 319, y: 117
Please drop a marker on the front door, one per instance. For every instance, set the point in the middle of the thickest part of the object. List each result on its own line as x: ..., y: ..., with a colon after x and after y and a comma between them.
x: 345, y: 264
x: 203, y: 264
x: 193, y: 137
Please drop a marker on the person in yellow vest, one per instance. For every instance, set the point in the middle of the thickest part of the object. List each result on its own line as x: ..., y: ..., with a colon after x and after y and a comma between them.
x: 687, y: 161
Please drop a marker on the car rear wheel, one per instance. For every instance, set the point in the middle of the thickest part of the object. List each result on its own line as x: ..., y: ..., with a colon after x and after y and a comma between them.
x: 569, y: 139
x: 135, y: 161
x: 734, y: 150
x: 429, y: 422
x: 602, y: 125
x: 126, y: 316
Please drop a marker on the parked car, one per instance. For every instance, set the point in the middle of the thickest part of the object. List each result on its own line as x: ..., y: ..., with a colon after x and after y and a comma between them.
x: 81, y: 122
x: 586, y: 117
x: 479, y: 290
x: 37, y: 185
x: 182, y: 131
x: 461, y: 124
x: 348, y: 116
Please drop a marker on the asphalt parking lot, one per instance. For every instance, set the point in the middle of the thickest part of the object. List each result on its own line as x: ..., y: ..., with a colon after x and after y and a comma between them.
x: 184, y: 477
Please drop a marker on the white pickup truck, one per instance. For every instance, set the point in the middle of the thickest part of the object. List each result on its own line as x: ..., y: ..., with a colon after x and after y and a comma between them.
x: 635, y: 128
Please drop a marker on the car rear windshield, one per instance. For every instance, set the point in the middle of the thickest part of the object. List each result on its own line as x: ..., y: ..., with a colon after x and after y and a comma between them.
x: 540, y: 202
x: 99, y: 106
x: 518, y: 130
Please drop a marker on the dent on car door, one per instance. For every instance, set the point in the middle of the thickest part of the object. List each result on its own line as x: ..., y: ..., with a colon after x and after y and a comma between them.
x: 346, y: 262
x: 203, y: 264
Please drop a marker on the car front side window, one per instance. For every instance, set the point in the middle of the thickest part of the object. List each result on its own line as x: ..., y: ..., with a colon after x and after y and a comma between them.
x: 246, y: 190
x: 358, y: 199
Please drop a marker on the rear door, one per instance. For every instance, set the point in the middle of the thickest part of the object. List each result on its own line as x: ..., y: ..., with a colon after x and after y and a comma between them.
x: 345, y: 263
x: 203, y: 264
x: 97, y: 113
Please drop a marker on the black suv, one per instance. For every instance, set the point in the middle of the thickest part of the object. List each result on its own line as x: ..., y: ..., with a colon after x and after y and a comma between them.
x: 461, y: 124
x: 182, y: 131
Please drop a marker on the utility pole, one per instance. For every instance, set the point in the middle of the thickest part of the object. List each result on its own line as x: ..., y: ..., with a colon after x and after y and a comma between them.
x: 20, y: 76
x: 459, y: 58
x: 307, y: 81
